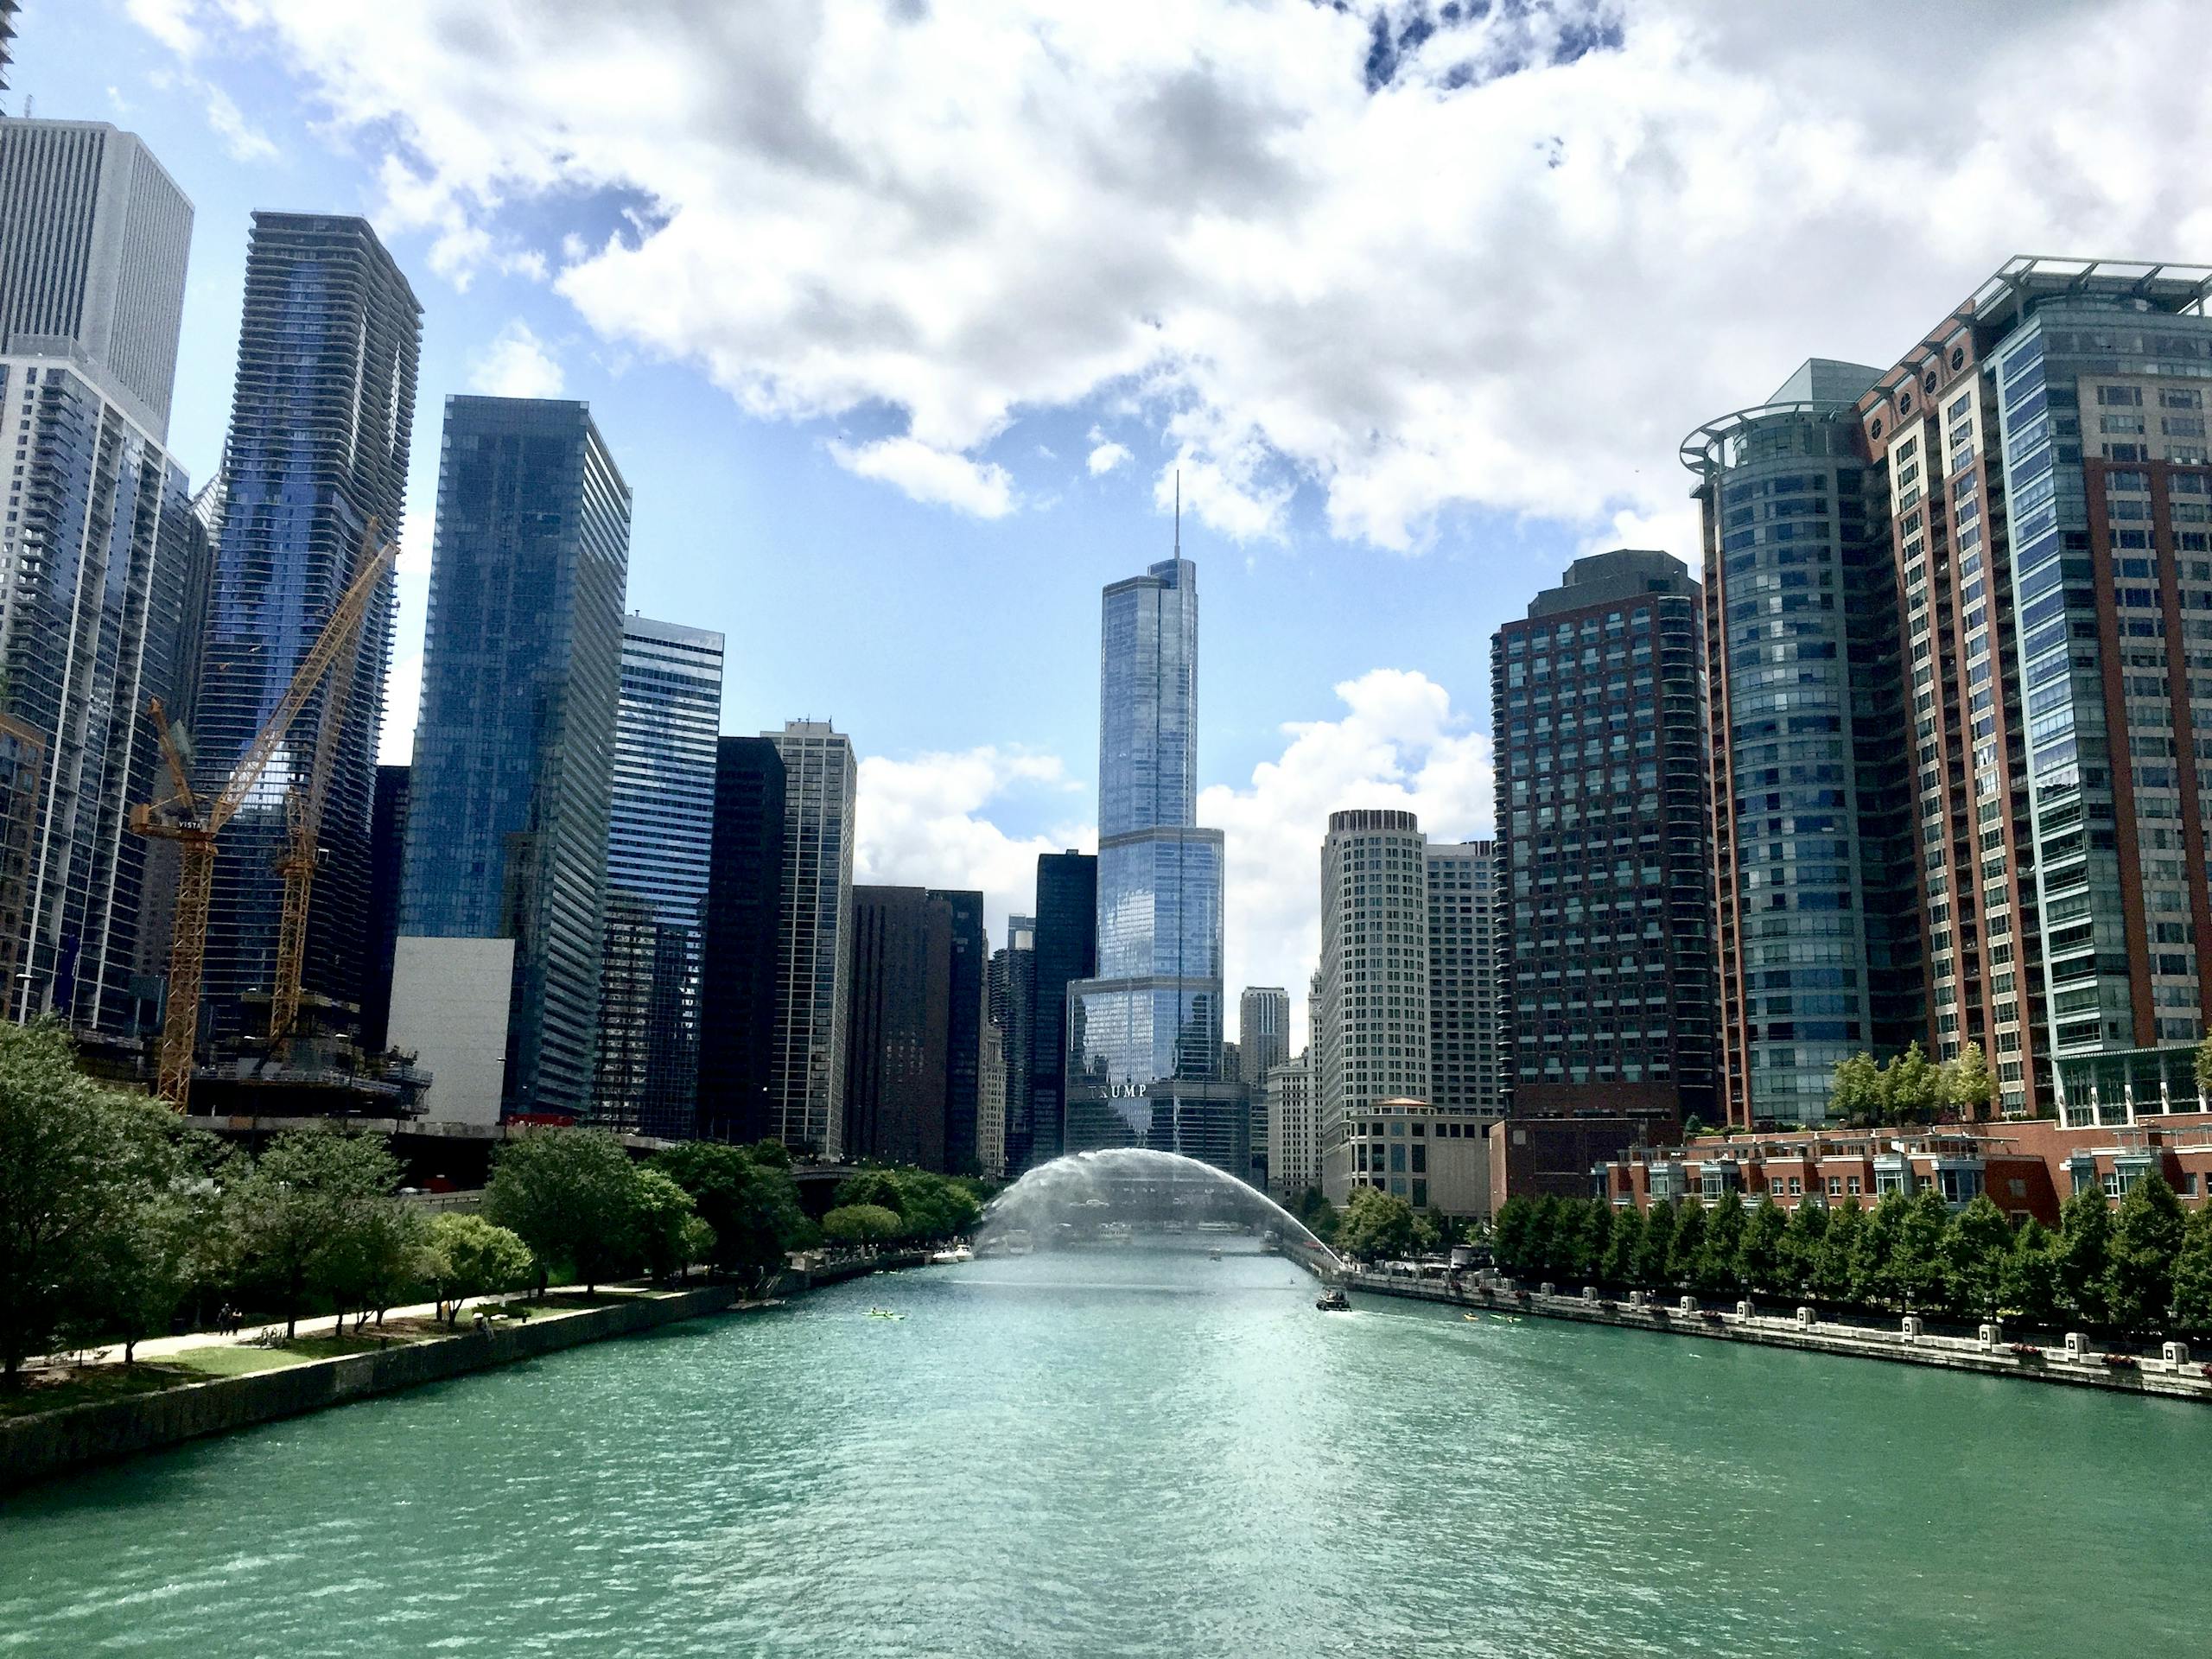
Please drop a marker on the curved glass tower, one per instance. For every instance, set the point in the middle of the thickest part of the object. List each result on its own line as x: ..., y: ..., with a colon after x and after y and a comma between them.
x: 1144, y: 1037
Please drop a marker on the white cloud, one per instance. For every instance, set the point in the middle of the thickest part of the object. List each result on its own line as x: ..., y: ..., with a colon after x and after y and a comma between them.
x: 920, y: 824
x: 515, y: 364
x: 1400, y: 744
x: 1105, y: 454
x: 1406, y: 262
x: 403, y: 698
x: 934, y: 475
x: 242, y: 140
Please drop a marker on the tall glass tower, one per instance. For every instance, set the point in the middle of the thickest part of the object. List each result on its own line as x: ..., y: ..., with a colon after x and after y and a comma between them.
x: 1144, y: 1055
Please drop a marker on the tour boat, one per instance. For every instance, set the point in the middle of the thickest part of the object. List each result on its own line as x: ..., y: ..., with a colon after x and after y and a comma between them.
x: 1333, y: 1301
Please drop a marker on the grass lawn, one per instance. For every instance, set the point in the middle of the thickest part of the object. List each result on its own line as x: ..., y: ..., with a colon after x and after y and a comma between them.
x: 221, y: 1359
x: 52, y: 1390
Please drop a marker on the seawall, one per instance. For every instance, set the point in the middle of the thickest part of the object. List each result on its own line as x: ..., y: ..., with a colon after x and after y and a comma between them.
x: 2078, y: 1364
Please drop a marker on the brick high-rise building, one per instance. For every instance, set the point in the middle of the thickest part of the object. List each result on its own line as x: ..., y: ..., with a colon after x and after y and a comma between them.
x: 898, y: 1066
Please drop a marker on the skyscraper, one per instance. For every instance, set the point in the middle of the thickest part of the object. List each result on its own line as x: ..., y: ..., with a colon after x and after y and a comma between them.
x: 1067, y: 953
x: 1466, y: 976
x: 320, y: 423
x: 898, y: 1066
x: 387, y: 868
x: 1811, y: 784
x: 1294, y: 1129
x: 514, y: 751
x: 660, y: 841
x: 1262, y: 1030
x: 104, y: 560
x: 739, y: 962
x: 1012, y: 996
x: 1144, y: 1064
x: 1370, y: 1029
x: 1603, y: 812
x: 965, y: 1030
x: 807, y: 1065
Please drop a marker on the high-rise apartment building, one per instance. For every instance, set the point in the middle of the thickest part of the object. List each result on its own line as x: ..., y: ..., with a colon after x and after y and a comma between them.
x: 1602, y: 816
x: 515, y: 748
x: 991, y: 1104
x: 1144, y: 1061
x: 660, y: 844
x: 1467, y: 1056
x: 898, y: 1067
x: 321, y: 419
x: 1813, y: 844
x: 1262, y: 1030
x: 1067, y: 953
x: 739, y: 959
x: 1293, y: 1128
x: 1370, y: 1020
x: 1012, y: 996
x: 806, y: 1082
x: 103, y: 563
x: 387, y: 869
x: 969, y: 1004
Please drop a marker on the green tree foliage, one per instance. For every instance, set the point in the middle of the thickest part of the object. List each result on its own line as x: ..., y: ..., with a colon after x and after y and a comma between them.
x: 1912, y: 1088
x: 1686, y: 1254
x: 299, y: 1211
x: 1976, y: 1249
x: 375, y: 1258
x: 1834, y: 1272
x: 2147, y: 1230
x: 1592, y: 1236
x: 2191, y: 1308
x: 1656, y: 1247
x: 2085, y: 1255
x: 1623, y: 1243
x: 876, y: 1186
x: 1512, y: 1237
x: 854, y: 1224
x: 1916, y: 1274
x: 1969, y: 1086
x: 1374, y: 1223
x: 2029, y: 1279
x: 1715, y: 1271
x: 1873, y: 1279
x: 75, y: 1160
x: 1316, y: 1214
x: 666, y: 1237
x: 1798, y: 1253
x: 747, y: 1197
x: 571, y: 1195
x: 1856, y: 1096
x: 466, y: 1255
x: 1758, y: 1252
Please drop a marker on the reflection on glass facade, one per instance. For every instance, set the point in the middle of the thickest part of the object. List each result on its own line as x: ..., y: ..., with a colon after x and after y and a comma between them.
x: 1144, y: 1055
x: 1819, y: 950
x: 508, y: 803
x: 659, y: 842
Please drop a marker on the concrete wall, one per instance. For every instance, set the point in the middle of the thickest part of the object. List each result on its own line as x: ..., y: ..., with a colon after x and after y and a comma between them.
x: 32, y: 1448
x: 449, y: 1006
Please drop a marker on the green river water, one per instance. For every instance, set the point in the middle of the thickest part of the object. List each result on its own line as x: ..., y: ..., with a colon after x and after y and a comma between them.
x: 1141, y: 1453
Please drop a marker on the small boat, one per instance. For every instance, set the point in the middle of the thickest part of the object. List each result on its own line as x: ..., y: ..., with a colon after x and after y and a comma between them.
x: 884, y: 1313
x: 1507, y: 1319
x: 1213, y: 1255
x: 1333, y: 1301
x: 957, y: 1254
x: 1473, y: 1319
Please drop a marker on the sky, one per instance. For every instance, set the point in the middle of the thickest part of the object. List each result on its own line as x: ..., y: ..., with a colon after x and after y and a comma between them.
x: 903, y: 317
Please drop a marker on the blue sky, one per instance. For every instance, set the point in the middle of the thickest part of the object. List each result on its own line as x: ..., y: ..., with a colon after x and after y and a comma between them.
x: 898, y: 320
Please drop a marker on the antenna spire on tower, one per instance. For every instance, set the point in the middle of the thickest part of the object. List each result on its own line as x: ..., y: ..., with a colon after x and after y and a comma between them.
x: 1178, y: 512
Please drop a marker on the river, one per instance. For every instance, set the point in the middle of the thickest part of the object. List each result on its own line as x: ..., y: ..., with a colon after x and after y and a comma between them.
x: 1139, y: 1452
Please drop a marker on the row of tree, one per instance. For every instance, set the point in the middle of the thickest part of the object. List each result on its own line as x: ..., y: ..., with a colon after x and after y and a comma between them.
x: 2140, y: 1268
x: 902, y: 1206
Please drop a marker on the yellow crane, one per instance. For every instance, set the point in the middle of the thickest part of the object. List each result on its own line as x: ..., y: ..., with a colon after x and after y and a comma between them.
x: 194, y: 822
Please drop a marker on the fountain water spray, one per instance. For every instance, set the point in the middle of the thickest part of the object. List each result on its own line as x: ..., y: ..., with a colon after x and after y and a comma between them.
x: 1077, y: 1193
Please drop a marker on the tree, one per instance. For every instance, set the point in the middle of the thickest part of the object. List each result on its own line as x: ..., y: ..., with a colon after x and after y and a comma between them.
x: 1511, y: 1235
x: 299, y: 1206
x: 1374, y: 1223
x: 2084, y: 1254
x: 853, y: 1224
x: 1758, y: 1252
x: 1656, y: 1247
x: 1916, y: 1261
x: 1977, y: 1247
x: 2146, y: 1238
x: 1799, y: 1252
x: 880, y: 1187
x: 1912, y: 1089
x: 1591, y: 1234
x: 466, y: 1255
x: 1969, y: 1086
x: 73, y: 1155
x: 1724, y: 1238
x: 748, y: 1198
x: 1872, y: 1281
x: 2029, y: 1279
x: 1856, y: 1095
x: 2204, y: 1068
x: 375, y: 1257
x: 1621, y: 1245
x: 1833, y: 1269
x: 1316, y: 1214
x: 665, y: 1212
x: 770, y: 1153
x: 572, y: 1197
x: 2191, y: 1307
x: 1686, y: 1254
x: 1543, y: 1250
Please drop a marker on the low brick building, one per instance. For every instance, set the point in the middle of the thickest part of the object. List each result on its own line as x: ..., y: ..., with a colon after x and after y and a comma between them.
x: 1555, y: 1157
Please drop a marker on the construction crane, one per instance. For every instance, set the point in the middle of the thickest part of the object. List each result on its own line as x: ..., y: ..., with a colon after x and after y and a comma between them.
x: 194, y: 822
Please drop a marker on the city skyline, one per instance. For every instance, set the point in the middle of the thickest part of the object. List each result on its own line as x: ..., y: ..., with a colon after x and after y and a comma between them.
x: 1000, y: 784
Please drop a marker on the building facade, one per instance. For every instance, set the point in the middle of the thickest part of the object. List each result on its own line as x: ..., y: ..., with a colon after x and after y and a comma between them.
x: 660, y: 844
x: 1294, y: 1129
x: 739, y: 958
x: 1432, y: 1157
x: 1012, y: 995
x: 321, y: 421
x: 103, y: 564
x: 899, y: 1068
x: 806, y: 1081
x: 969, y: 1007
x: 1067, y: 952
x: 1370, y: 1019
x: 1604, y: 804
x: 1813, y: 829
x: 387, y: 869
x: 1144, y: 1060
x: 1262, y: 1032
x: 1467, y: 1046
x: 515, y: 746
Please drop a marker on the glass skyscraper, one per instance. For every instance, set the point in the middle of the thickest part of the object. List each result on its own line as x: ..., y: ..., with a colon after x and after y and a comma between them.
x: 1144, y: 1060
x: 660, y: 839
x: 514, y: 752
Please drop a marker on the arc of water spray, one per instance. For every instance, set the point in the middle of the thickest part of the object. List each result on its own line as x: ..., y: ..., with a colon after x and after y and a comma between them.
x: 1072, y: 1179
